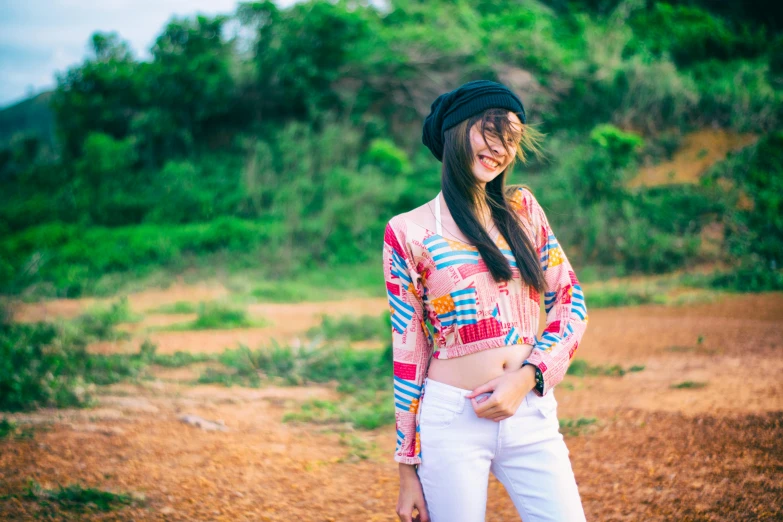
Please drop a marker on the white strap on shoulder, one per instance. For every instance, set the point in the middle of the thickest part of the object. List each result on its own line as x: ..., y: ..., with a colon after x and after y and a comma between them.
x: 438, y: 228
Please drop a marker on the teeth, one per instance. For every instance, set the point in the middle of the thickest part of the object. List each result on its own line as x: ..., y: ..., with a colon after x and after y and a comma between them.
x: 488, y: 161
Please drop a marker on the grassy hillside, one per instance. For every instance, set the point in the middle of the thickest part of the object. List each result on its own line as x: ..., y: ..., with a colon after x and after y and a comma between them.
x: 30, y: 117
x: 286, y: 150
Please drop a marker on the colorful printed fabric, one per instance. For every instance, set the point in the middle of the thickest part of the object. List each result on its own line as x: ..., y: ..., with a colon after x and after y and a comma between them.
x: 432, y: 278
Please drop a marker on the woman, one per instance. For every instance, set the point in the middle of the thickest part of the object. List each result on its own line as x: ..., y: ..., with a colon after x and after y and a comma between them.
x: 475, y: 395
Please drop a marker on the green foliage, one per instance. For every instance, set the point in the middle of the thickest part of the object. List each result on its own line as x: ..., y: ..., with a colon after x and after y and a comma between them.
x: 97, y: 96
x: 580, y: 368
x: 64, y: 255
x: 387, y: 157
x: 630, y: 89
x: 179, y: 359
x: 7, y: 428
x: 749, y: 276
x: 32, y: 118
x: 351, y: 328
x: 300, y: 366
x: 614, y: 154
x: 79, y: 498
x: 739, y: 94
x: 575, y: 427
x: 98, y: 322
x: 180, y: 307
x: 691, y: 34
x: 365, y: 409
x: 290, y: 146
x: 688, y: 384
x: 189, y: 79
x: 188, y: 201
x: 607, y: 298
x: 302, y: 50
x: 216, y: 315
x: 754, y: 231
x: 44, y: 364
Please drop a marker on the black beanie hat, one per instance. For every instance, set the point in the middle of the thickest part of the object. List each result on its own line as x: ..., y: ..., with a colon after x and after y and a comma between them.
x: 469, y: 99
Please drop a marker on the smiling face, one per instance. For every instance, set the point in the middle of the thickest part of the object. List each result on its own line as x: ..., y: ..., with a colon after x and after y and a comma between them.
x: 491, y: 157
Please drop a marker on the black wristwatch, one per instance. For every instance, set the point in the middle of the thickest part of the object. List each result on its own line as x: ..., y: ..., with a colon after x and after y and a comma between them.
x: 539, y: 378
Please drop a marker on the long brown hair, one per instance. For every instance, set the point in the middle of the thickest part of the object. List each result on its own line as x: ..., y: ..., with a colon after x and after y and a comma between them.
x: 462, y: 192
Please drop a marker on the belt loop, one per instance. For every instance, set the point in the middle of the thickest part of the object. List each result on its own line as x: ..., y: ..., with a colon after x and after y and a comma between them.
x: 463, y: 402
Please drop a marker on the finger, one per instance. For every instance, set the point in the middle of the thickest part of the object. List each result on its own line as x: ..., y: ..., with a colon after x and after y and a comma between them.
x: 486, y: 387
x: 424, y: 514
x: 500, y: 417
x: 485, y: 408
x: 405, y: 517
x: 479, y: 407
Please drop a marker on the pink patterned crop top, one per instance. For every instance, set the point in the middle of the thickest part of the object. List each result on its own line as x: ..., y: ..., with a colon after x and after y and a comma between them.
x: 447, y: 283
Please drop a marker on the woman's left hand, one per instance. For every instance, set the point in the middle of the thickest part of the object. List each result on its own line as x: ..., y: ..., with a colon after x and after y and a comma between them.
x: 508, y: 392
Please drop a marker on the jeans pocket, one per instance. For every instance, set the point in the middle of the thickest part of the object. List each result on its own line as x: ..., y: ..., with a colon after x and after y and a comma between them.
x: 546, y: 406
x: 436, y: 413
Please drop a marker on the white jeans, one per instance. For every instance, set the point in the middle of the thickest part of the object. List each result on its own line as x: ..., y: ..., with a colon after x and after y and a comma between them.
x: 526, y: 453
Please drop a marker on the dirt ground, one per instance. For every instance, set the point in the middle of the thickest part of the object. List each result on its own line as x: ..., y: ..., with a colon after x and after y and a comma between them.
x: 655, y: 452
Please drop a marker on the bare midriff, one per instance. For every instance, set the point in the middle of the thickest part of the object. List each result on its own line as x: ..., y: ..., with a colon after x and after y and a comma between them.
x: 472, y: 370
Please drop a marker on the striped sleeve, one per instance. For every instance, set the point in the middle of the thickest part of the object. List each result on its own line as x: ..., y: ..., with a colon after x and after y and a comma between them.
x: 411, y: 342
x: 564, y: 303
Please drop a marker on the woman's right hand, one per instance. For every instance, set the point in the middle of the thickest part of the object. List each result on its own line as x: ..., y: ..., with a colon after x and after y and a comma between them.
x: 411, y: 496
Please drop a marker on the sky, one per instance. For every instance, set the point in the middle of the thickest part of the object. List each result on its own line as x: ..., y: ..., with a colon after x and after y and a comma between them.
x: 40, y: 37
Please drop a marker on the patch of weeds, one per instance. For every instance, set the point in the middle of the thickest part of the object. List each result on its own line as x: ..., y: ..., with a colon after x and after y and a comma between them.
x: 362, y: 376
x: 748, y: 276
x: 179, y: 359
x: 7, y: 428
x: 218, y: 316
x: 180, y: 307
x: 366, y: 410
x: 78, y: 497
x: 116, y: 367
x: 363, y: 369
x: 11, y: 430
x: 358, y: 448
x: 580, y: 368
x: 46, y: 364
x: 229, y: 378
x: 636, y: 368
x: 681, y: 349
x: 689, y: 384
x: 612, y: 297
x: 282, y: 292
x: 574, y: 427
x: 351, y: 328
x: 98, y: 323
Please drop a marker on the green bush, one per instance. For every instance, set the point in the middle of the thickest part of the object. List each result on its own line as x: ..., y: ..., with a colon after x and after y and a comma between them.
x: 44, y: 364
x: 200, y: 156
x: 738, y: 95
x: 351, y: 328
x: 690, y: 34
x: 754, y: 231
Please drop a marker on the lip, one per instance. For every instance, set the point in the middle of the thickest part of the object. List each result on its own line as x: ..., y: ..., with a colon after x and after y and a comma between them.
x: 487, y: 166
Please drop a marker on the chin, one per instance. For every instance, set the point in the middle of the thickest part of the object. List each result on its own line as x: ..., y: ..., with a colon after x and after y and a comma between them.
x: 485, y: 177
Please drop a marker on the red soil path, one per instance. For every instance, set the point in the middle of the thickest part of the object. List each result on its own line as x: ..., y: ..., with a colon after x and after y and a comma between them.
x: 655, y: 452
